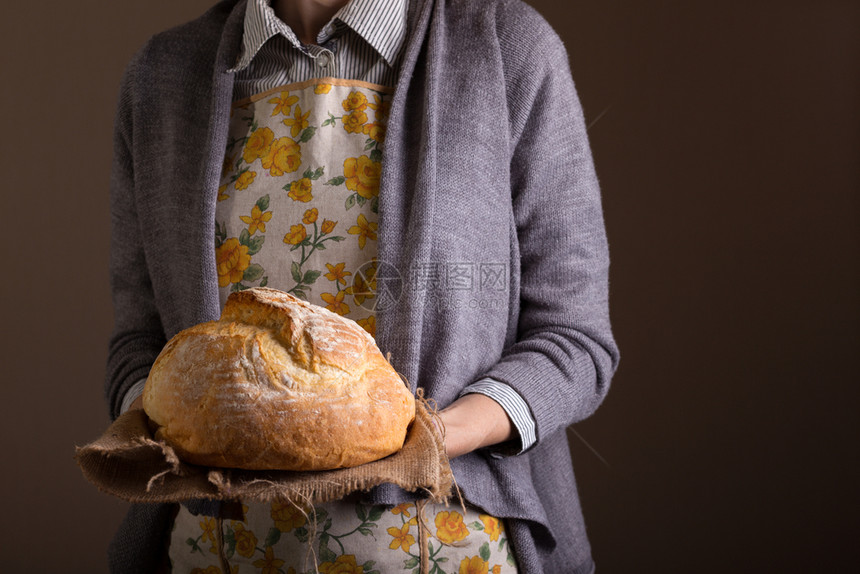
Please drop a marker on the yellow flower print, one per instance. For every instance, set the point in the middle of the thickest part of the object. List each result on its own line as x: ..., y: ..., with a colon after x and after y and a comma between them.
x: 381, y: 108
x: 283, y: 103
x: 362, y: 288
x: 245, y: 179
x: 231, y: 259
x: 450, y: 527
x: 258, y: 145
x: 370, y: 272
x: 492, y: 526
x: 400, y: 538
x: 257, y: 220
x: 404, y: 507
x: 222, y: 195
x: 335, y: 302
x: 322, y: 88
x: 288, y: 516
x: 383, y: 111
x: 269, y: 564
x: 300, y: 190
x: 362, y: 175
x: 355, y: 101
x: 228, y: 165
x: 298, y: 122
x: 375, y: 132
x: 328, y: 226
x: 310, y: 216
x: 208, y: 527
x: 285, y: 156
x: 296, y: 235
x: 369, y: 325
x: 473, y: 565
x: 337, y: 273
x: 497, y: 569
x: 342, y: 565
x: 354, y: 122
x: 246, y: 541
x: 364, y: 229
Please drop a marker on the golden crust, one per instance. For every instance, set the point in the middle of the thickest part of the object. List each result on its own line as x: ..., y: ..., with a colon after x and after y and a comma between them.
x: 277, y: 383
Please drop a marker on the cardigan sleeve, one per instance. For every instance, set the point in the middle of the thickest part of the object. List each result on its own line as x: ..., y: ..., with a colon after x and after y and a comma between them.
x: 138, y: 335
x: 564, y: 354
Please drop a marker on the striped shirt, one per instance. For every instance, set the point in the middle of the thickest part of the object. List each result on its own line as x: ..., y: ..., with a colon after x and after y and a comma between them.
x: 363, y: 41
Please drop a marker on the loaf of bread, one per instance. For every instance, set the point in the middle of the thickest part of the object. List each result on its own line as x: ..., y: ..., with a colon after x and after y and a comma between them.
x: 277, y: 383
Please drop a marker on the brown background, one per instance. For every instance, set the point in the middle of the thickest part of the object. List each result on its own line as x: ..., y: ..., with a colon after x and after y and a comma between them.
x: 729, y: 154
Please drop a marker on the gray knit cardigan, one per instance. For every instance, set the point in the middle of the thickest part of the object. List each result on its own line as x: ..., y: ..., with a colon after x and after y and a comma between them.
x: 490, y: 227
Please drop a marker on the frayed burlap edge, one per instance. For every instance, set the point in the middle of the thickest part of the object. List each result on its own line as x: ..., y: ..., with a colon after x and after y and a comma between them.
x: 128, y: 463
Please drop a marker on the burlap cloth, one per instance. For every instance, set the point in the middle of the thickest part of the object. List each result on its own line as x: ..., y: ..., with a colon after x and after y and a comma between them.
x: 128, y: 463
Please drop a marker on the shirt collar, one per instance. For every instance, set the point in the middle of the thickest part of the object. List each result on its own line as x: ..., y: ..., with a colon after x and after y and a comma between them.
x: 381, y: 23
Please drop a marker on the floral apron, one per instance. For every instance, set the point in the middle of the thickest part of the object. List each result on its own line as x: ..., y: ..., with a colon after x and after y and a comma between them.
x: 297, y: 210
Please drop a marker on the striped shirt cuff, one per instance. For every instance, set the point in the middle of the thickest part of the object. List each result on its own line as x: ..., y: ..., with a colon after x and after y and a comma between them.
x: 517, y: 410
x: 131, y: 395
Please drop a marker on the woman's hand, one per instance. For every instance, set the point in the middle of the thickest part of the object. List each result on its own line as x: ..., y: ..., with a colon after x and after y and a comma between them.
x: 474, y: 421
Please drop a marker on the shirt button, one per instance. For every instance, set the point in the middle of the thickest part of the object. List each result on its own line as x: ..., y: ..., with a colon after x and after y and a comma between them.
x: 324, y: 60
